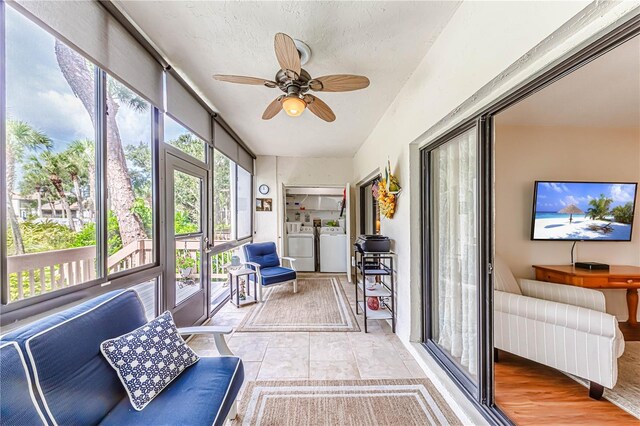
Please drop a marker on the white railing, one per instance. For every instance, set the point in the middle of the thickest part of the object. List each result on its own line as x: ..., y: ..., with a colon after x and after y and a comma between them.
x: 134, y: 254
x: 38, y: 273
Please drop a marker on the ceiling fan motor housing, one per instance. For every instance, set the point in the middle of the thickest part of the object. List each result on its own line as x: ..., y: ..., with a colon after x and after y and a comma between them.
x: 304, y: 50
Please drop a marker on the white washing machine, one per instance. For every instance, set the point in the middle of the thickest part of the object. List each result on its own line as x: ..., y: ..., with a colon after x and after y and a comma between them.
x: 333, y: 249
x: 302, y: 247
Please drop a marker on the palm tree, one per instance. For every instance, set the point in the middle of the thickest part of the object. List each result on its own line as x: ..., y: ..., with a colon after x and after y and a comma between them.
x: 599, y: 207
x: 80, y: 78
x: 54, y: 166
x: 34, y: 181
x: 21, y: 139
x: 80, y: 167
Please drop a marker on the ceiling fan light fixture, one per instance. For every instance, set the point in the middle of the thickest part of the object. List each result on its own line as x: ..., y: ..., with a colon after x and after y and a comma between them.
x: 293, y: 105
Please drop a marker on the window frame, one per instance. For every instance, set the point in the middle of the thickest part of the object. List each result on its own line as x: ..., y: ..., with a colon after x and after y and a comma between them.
x: 251, y: 204
x: 155, y: 180
x: 38, y: 304
x: 43, y: 304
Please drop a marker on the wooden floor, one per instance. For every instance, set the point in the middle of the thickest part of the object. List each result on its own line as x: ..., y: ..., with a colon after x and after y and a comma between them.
x: 533, y: 394
x: 631, y: 334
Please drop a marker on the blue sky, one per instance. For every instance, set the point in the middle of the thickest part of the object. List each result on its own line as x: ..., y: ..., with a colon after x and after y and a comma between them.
x: 553, y: 196
x: 38, y: 94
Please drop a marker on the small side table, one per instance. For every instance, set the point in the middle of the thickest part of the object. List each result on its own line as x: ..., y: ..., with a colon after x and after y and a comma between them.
x: 235, y: 275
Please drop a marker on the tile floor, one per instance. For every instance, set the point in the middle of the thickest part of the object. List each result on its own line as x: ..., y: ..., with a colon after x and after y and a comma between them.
x: 378, y: 354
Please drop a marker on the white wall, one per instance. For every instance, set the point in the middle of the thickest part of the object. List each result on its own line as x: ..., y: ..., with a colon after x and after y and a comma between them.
x: 481, y: 40
x: 293, y: 171
x: 526, y: 154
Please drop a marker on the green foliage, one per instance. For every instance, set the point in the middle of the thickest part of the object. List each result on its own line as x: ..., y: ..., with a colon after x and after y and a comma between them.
x: 86, y: 236
x: 623, y: 214
x: 222, y: 189
x: 184, y: 260
x: 46, y: 236
x: 190, y: 144
x: 124, y: 96
x: 139, y: 165
x: 145, y: 213
x: 114, y: 242
x: 599, y: 207
x: 183, y: 224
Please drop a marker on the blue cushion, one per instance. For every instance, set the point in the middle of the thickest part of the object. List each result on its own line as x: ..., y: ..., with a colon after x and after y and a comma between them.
x: 276, y: 275
x: 18, y: 405
x: 149, y: 358
x: 78, y: 386
x: 264, y: 254
x: 199, y: 396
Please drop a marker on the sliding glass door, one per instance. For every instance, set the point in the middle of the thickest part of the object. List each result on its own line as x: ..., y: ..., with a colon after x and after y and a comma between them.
x: 454, y: 278
x: 454, y: 254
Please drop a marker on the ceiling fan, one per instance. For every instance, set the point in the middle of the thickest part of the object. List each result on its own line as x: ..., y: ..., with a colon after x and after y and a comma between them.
x: 296, y: 82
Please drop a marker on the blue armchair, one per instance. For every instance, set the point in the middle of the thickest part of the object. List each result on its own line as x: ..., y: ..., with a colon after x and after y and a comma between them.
x: 263, y: 258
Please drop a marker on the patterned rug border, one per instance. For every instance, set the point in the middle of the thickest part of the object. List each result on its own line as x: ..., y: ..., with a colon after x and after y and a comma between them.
x: 246, y: 396
x: 244, y: 328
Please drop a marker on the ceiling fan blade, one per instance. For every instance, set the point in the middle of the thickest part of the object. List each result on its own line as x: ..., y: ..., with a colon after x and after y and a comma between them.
x: 273, y: 109
x: 339, y: 83
x: 319, y: 108
x: 245, y: 80
x: 287, y: 53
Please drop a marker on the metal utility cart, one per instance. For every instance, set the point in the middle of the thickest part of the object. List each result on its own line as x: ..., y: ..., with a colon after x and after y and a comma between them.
x: 380, y: 266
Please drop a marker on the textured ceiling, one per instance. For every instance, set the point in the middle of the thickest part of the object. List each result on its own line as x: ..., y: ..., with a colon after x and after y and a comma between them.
x: 603, y: 93
x: 383, y: 40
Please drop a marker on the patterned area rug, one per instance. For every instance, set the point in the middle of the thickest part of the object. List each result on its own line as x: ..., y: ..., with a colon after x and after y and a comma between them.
x: 319, y: 305
x: 344, y: 402
x: 626, y: 393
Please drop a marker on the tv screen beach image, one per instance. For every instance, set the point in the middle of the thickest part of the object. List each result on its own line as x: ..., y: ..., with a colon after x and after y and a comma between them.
x: 583, y: 211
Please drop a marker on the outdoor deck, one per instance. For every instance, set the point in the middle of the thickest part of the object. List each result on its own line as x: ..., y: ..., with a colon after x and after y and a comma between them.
x: 146, y: 291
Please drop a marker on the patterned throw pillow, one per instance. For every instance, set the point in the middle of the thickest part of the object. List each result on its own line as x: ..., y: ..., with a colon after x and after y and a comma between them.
x: 149, y: 358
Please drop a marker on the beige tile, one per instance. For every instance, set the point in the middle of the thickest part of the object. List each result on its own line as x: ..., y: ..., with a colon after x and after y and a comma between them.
x: 330, y: 347
x: 285, y: 363
x: 289, y: 340
x: 247, y: 349
x: 251, y: 369
x: 203, y: 346
x: 227, y: 319
x: 415, y: 369
x: 369, y: 341
x: 381, y: 364
x: 333, y: 370
x: 250, y: 373
x: 404, y: 354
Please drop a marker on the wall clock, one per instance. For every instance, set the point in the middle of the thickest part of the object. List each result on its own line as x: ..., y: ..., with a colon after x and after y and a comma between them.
x: 264, y: 189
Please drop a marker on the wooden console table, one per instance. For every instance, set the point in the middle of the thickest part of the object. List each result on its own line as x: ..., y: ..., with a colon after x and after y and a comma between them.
x: 617, y: 277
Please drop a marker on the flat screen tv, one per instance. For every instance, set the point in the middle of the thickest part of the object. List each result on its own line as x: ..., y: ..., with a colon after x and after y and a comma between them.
x: 583, y: 211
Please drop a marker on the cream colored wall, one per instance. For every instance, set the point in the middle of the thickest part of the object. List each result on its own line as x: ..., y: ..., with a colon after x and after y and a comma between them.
x: 481, y: 40
x: 526, y: 154
x: 293, y: 171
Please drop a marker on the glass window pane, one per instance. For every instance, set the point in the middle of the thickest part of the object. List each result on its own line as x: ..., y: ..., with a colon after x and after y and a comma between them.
x: 129, y: 179
x: 224, y: 171
x: 180, y: 137
x: 244, y: 203
x: 454, y: 254
x: 220, y: 277
x: 50, y: 162
x: 187, y: 194
x: 188, y: 267
x: 147, y: 292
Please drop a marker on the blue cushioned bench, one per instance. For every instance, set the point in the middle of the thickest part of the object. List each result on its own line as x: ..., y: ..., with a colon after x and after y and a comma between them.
x: 53, y: 372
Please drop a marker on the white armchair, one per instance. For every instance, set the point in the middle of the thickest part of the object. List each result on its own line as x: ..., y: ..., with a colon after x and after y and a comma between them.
x: 561, y: 326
